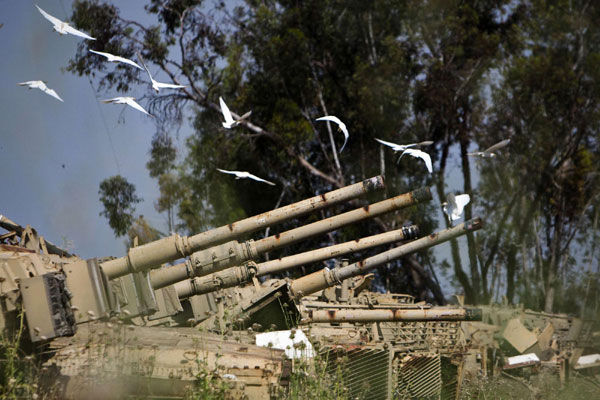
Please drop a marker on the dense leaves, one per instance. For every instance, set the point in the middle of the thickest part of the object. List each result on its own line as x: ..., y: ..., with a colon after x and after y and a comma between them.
x: 118, y: 198
x: 463, y: 74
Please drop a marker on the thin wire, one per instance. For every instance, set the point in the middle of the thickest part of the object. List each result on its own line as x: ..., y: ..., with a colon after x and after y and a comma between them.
x: 106, y: 130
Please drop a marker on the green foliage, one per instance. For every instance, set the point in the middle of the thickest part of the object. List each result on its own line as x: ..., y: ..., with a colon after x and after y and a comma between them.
x: 118, y: 198
x: 463, y: 74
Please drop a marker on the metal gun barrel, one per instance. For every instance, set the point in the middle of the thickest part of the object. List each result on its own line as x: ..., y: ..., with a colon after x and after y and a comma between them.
x: 392, y: 315
x: 325, y: 278
x: 241, y: 274
x: 201, y: 264
x: 152, y: 255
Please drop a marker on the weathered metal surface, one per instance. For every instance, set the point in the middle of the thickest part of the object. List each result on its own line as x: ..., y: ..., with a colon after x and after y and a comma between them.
x: 386, y: 315
x: 138, y: 361
x: 240, y: 275
x: 154, y: 254
x: 322, y: 279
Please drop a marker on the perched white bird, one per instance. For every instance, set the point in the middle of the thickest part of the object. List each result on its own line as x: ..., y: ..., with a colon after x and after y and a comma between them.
x: 116, y: 59
x: 419, y: 154
x: 229, y: 121
x: 341, y: 127
x: 42, y: 86
x: 489, y: 152
x: 158, y: 85
x: 455, y: 205
x: 244, y: 174
x: 62, y: 27
x: 130, y: 101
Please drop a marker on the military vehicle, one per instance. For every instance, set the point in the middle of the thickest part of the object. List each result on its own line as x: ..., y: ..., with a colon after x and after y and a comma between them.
x: 104, y: 326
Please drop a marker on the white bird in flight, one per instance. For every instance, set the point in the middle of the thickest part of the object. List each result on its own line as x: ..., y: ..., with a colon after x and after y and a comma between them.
x: 229, y: 121
x: 489, y: 152
x: 455, y: 205
x: 62, y: 27
x: 244, y: 174
x: 130, y: 101
x: 42, y: 86
x: 116, y: 59
x: 402, y: 147
x: 341, y: 127
x: 419, y: 154
x: 158, y: 85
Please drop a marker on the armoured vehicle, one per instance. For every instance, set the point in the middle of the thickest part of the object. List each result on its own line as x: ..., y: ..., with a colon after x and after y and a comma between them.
x: 105, y: 325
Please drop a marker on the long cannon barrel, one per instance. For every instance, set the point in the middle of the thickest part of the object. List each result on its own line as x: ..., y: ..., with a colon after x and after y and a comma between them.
x: 242, y: 274
x: 152, y: 255
x: 325, y: 278
x: 392, y: 315
x: 215, y: 259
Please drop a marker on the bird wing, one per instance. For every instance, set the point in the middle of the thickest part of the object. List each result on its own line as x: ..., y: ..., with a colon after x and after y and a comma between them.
x: 225, y: 111
x: 476, y: 154
x: 52, y: 93
x: 422, y: 155
x: 69, y: 29
x: 127, y: 61
x: 331, y: 118
x: 131, y: 102
x: 31, y: 84
x: 236, y: 173
x: 146, y: 68
x: 461, y: 201
x: 107, y: 55
x: 243, y: 117
x: 168, y: 85
x: 394, y: 146
x: 340, y: 124
x: 256, y: 178
x: 54, y: 20
x: 425, y: 143
x: 497, y: 146
x: 113, y: 100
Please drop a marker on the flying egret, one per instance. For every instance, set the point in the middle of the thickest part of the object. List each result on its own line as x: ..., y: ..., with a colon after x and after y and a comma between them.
x: 42, y: 86
x: 130, y: 101
x: 116, y: 59
x: 158, y: 85
x: 489, y: 152
x: 419, y: 154
x: 229, y: 121
x: 62, y: 27
x: 244, y: 174
x: 455, y: 205
x: 341, y: 127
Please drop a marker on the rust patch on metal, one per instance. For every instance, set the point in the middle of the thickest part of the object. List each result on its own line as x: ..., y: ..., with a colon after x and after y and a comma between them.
x: 8, y: 247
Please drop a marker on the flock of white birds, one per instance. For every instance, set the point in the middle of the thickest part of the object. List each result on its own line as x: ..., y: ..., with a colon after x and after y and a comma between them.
x: 453, y: 207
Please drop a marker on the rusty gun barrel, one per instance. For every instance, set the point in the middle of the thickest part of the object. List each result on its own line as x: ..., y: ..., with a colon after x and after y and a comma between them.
x: 325, y: 278
x: 233, y: 253
x: 242, y: 274
x: 152, y: 255
x: 392, y: 315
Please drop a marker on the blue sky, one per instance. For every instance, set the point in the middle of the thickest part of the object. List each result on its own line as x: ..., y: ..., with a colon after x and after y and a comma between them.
x: 39, y: 134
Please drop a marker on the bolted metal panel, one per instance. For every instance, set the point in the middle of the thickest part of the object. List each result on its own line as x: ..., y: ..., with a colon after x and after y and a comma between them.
x: 153, y: 254
x: 47, y: 308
